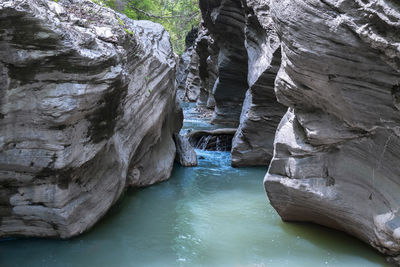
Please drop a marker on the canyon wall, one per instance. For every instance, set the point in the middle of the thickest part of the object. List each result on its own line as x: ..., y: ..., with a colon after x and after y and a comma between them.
x: 198, y: 69
x: 336, y: 66
x: 261, y: 113
x: 87, y: 108
x: 249, y: 60
x: 225, y: 20
x: 337, y: 149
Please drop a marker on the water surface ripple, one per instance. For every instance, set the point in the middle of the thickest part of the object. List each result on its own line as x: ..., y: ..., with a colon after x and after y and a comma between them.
x: 209, y: 215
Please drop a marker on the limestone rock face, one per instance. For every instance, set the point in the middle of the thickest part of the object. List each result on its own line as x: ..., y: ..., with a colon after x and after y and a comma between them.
x: 261, y: 113
x: 87, y: 108
x: 185, y: 153
x: 225, y: 20
x: 198, y: 70
x: 337, y: 150
x: 193, y: 82
x: 182, y: 74
x: 207, y: 50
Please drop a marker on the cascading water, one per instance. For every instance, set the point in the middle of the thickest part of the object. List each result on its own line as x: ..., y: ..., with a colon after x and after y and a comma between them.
x: 203, y: 142
x: 209, y: 215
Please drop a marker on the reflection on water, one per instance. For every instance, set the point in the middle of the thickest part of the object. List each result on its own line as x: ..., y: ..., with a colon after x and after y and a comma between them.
x: 210, y: 215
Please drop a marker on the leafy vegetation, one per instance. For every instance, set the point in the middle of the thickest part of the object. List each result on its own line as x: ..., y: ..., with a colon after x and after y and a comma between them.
x: 177, y: 16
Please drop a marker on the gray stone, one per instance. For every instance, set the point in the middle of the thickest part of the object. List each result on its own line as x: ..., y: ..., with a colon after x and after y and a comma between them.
x: 185, y: 154
x: 87, y: 108
x: 182, y: 74
x: 225, y: 20
x: 261, y: 113
x: 337, y: 149
x: 208, y: 50
x: 198, y: 70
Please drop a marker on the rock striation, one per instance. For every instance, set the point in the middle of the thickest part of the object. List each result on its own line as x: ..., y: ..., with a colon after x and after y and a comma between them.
x: 185, y: 153
x: 337, y: 148
x: 261, y: 113
x: 225, y: 21
x: 87, y: 108
x: 198, y: 70
x: 208, y: 50
x: 182, y: 74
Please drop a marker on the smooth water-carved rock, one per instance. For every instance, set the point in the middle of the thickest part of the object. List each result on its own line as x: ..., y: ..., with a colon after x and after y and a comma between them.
x: 87, y: 104
x: 197, y: 70
x: 185, y: 154
x: 188, y: 77
x: 261, y: 113
x: 337, y: 149
x: 225, y: 20
x: 182, y: 74
x: 208, y: 50
x: 193, y: 82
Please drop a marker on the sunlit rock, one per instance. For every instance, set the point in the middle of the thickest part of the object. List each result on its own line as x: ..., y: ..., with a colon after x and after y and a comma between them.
x: 337, y: 149
x: 87, y: 108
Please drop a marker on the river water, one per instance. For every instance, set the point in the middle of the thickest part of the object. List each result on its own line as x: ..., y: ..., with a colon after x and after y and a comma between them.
x: 209, y: 215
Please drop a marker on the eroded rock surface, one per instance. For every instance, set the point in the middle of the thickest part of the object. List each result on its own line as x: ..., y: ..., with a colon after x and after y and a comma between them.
x: 185, y: 154
x: 182, y: 74
x: 337, y: 149
x: 198, y: 70
x: 225, y: 20
x: 207, y: 50
x: 261, y: 113
x: 87, y: 108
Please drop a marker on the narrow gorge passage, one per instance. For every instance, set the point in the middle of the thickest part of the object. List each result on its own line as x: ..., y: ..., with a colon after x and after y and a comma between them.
x: 210, y: 215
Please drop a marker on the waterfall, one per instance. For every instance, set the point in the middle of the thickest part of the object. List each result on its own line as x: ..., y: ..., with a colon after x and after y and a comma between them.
x: 203, y: 142
x: 220, y: 145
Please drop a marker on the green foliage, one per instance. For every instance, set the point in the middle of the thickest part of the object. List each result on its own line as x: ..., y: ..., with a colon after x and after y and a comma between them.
x: 177, y: 16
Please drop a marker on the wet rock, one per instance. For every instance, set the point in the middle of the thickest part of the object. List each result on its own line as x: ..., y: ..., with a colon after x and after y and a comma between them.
x: 337, y: 148
x: 214, y: 140
x: 225, y: 20
x: 185, y: 154
x: 261, y: 113
x: 87, y: 108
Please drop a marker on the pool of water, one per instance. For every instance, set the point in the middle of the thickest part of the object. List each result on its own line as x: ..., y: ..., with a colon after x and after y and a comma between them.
x: 209, y: 215
x: 195, y: 121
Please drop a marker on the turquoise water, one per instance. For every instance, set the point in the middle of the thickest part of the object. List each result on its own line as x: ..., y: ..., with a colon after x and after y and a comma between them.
x: 193, y: 120
x: 210, y: 215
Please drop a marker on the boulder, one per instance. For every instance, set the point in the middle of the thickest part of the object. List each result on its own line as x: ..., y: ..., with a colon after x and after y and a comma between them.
x: 185, y: 154
x: 338, y: 147
x: 87, y: 108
